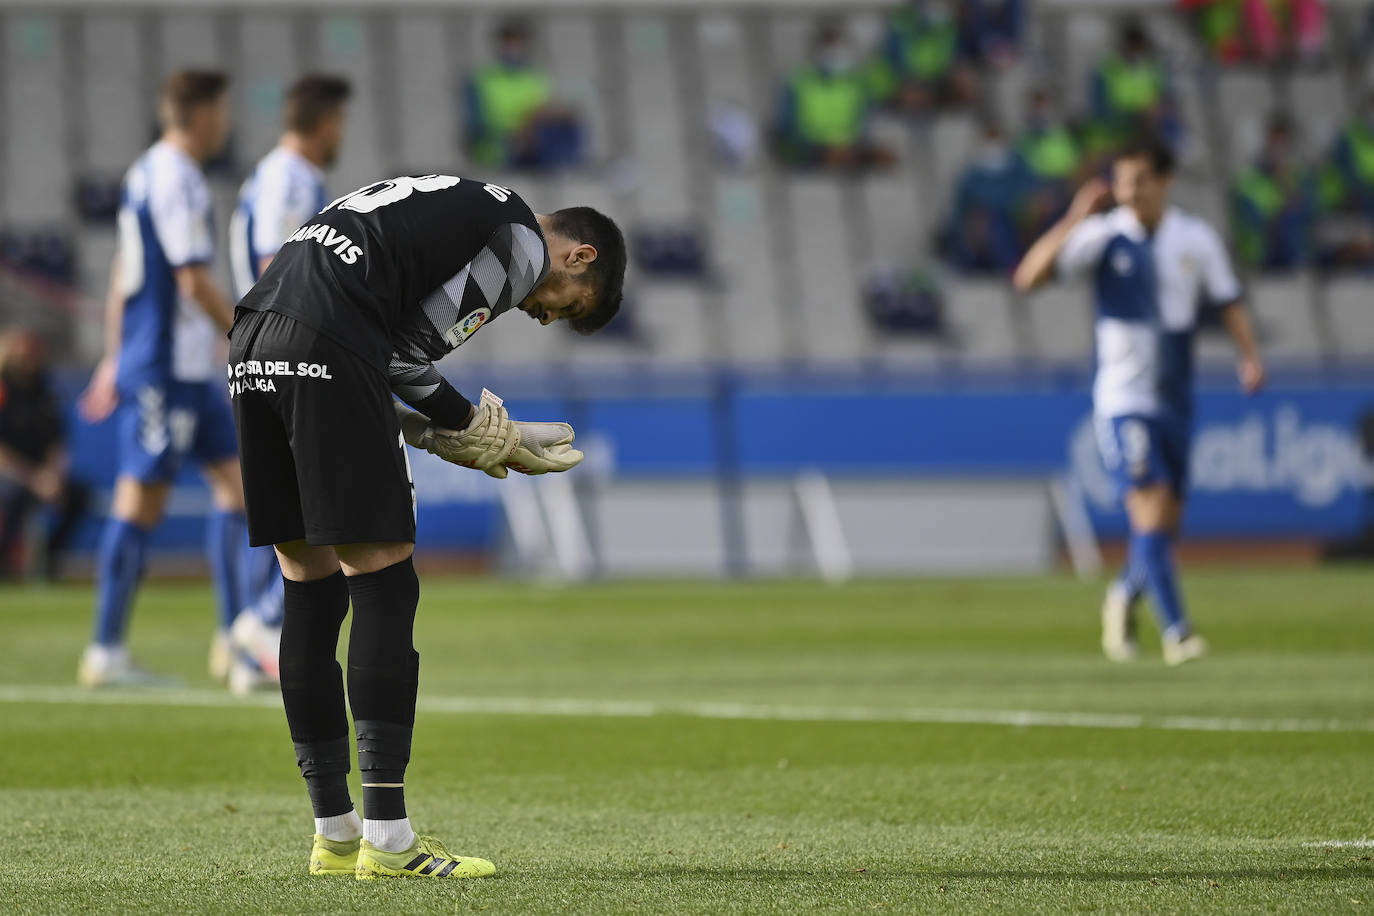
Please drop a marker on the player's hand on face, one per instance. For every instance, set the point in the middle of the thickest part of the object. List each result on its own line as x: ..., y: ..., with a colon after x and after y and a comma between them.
x: 1251, y: 374
x: 101, y: 396
x: 1094, y: 195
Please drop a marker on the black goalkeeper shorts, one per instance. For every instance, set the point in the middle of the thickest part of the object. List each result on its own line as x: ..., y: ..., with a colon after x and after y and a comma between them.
x: 319, y: 442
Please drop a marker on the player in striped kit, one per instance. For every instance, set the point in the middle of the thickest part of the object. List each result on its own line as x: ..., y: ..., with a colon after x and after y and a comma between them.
x: 160, y: 374
x: 1150, y: 264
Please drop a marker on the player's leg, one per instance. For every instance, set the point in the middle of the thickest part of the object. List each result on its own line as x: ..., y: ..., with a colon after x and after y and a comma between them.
x: 312, y: 686
x: 226, y: 543
x: 148, y: 456
x: 1153, y: 511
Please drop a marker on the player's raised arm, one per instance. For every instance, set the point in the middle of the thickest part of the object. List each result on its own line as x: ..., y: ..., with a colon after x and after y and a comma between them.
x: 1038, y: 265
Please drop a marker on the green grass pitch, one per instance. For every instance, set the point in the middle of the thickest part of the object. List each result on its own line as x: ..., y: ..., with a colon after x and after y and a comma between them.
x: 664, y: 799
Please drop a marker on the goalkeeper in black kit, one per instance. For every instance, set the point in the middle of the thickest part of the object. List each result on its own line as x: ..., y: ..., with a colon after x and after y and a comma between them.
x: 355, y: 308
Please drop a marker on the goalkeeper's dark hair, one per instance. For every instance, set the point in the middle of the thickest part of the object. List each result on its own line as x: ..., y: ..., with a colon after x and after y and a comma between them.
x: 607, y: 273
x: 1150, y: 147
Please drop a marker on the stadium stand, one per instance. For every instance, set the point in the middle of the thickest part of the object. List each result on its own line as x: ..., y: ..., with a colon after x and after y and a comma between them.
x: 788, y: 254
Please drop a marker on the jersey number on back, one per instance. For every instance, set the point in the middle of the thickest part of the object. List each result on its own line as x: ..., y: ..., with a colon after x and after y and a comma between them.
x: 379, y: 194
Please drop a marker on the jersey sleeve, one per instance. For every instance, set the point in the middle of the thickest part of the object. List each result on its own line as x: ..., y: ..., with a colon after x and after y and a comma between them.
x: 1084, y: 246
x: 285, y: 202
x: 180, y: 210
x: 502, y: 274
x: 1219, y: 279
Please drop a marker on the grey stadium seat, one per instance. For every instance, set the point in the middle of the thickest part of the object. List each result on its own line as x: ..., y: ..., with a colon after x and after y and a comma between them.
x: 657, y: 133
x: 1350, y: 307
x: 345, y: 48
x: 1061, y: 323
x: 37, y: 180
x: 269, y: 60
x: 980, y: 322
x: 427, y: 103
x: 571, y: 46
x: 1287, y: 322
x: 897, y: 231
x: 118, y: 109
x: 189, y: 39
x: 743, y: 252
x: 832, y: 324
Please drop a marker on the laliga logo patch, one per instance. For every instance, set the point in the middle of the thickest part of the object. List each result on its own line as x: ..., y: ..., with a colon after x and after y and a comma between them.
x: 467, y: 327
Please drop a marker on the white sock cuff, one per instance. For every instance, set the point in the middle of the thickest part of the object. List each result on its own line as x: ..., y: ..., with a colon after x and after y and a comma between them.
x: 390, y: 836
x: 341, y: 827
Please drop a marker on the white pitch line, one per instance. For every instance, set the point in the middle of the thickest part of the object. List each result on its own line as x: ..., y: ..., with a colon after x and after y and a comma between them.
x: 1341, y: 844
x: 639, y: 709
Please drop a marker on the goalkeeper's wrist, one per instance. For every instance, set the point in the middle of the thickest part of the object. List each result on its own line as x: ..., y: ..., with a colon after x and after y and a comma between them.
x: 446, y: 407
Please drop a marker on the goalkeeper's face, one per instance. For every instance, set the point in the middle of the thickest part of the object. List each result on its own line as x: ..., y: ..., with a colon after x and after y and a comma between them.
x: 563, y: 296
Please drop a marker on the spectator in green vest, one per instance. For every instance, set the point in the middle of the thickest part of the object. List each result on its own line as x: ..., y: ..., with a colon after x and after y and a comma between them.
x: 823, y: 111
x: 1274, y: 204
x: 1347, y: 192
x: 921, y: 53
x: 511, y: 117
x: 1260, y: 30
x: 1052, y: 163
x: 1130, y: 91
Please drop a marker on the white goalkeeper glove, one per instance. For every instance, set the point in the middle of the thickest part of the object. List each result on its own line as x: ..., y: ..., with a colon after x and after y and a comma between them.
x: 544, y: 447
x: 485, y: 444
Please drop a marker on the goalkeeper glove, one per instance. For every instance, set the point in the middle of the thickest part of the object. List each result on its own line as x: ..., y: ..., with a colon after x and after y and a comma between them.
x: 485, y: 443
x: 544, y: 447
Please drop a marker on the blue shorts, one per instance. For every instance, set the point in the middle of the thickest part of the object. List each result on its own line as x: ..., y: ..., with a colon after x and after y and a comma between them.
x: 1144, y: 451
x: 160, y: 426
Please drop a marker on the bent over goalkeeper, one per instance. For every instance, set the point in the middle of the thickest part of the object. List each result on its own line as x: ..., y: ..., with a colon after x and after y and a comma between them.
x: 355, y: 308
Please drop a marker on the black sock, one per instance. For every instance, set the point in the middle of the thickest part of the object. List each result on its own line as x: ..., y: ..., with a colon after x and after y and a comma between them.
x: 383, y: 673
x: 312, y: 689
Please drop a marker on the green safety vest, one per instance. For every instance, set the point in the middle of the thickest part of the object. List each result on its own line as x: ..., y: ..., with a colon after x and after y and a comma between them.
x: 508, y: 96
x: 928, y: 47
x: 1362, y: 149
x: 1132, y: 88
x: 1052, y: 153
x: 830, y: 109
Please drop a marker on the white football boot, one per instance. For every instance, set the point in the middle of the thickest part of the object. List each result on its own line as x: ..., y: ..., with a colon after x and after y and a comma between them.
x: 260, y: 642
x: 112, y: 666
x: 1179, y: 650
x: 1118, y: 640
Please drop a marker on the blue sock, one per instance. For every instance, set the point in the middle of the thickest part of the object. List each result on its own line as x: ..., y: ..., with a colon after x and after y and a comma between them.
x: 1152, y: 554
x: 266, y: 588
x: 1132, y: 578
x: 227, y: 544
x: 119, y: 567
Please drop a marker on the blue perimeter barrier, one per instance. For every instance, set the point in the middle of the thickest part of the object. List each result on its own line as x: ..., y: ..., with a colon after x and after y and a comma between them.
x: 1284, y: 464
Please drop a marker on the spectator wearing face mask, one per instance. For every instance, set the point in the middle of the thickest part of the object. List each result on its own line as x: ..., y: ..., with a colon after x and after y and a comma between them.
x: 1053, y: 161
x: 981, y: 235
x: 823, y: 112
x: 1131, y: 94
x: 1274, y: 204
x: 921, y: 53
x: 512, y: 119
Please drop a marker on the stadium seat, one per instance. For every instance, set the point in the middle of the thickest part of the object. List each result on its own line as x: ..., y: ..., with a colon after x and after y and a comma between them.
x: 571, y: 46
x: 674, y: 325
x: 659, y: 139
x: 344, y: 44
x: 268, y: 57
x: 117, y: 115
x: 428, y: 107
x: 1317, y: 99
x: 954, y: 138
x: 189, y: 39
x: 1350, y: 309
x: 827, y: 290
x: 893, y: 229
x: 1060, y: 323
x: 1288, y: 325
x: 979, y: 321
x: 743, y: 253
x: 37, y: 185
x: 1245, y: 98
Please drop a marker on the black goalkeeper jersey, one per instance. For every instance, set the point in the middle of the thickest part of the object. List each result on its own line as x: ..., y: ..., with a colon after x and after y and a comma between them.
x: 405, y: 270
